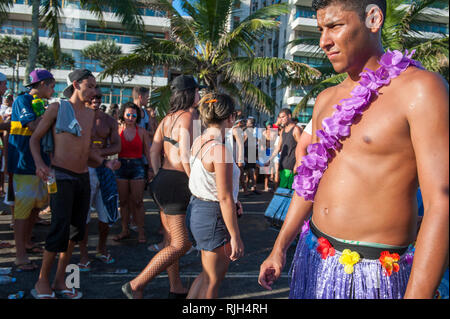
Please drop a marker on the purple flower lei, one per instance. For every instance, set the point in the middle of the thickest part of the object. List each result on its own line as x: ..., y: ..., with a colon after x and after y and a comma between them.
x: 337, y: 127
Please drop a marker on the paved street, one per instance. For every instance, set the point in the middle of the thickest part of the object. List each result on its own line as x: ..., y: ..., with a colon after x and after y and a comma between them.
x: 103, y: 282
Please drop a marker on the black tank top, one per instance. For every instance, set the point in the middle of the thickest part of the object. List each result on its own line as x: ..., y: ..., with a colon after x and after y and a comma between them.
x: 287, y: 153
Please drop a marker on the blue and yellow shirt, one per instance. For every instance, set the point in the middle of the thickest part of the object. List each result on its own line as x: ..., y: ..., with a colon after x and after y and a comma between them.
x: 20, y: 160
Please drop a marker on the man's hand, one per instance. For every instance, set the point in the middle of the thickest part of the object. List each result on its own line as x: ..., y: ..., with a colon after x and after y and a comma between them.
x: 150, y: 174
x: 42, y: 171
x: 270, y: 270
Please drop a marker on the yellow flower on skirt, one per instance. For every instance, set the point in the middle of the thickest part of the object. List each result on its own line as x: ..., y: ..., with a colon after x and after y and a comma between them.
x: 348, y: 259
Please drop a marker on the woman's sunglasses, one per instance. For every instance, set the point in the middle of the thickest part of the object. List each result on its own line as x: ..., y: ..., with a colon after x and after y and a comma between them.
x: 131, y: 114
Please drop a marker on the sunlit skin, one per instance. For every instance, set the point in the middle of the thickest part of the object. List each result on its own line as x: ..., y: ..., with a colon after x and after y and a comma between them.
x: 368, y: 191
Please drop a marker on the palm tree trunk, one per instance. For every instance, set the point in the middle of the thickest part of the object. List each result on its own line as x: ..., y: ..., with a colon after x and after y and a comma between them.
x: 34, y: 41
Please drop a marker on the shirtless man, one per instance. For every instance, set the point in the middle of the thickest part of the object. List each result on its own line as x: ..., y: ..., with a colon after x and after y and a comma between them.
x: 367, y: 193
x: 105, y: 141
x: 70, y: 204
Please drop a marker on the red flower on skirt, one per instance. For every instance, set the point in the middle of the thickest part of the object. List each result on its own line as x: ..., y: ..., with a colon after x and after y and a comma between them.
x: 389, y: 262
x: 325, y: 249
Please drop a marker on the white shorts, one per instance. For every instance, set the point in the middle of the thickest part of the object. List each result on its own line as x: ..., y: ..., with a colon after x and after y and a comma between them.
x: 96, y: 198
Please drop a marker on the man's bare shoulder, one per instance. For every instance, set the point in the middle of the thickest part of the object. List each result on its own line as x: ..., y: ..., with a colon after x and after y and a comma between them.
x: 325, y: 99
x: 418, y: 87
x: 109, y: 120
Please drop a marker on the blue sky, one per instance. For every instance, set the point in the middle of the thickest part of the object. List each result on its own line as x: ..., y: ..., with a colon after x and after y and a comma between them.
x: 177, y: 5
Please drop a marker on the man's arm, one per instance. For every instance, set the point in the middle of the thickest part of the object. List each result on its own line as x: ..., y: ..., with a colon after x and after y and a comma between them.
x: 428, y: 118
x: 276, y: 150
x: 45, y: 123
x: 114, y: 146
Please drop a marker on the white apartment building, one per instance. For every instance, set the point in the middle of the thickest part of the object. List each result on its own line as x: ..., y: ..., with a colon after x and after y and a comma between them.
x: 302, y: 23
x: 79, y: 29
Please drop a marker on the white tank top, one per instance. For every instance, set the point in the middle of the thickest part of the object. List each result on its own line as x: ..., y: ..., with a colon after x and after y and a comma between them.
x: 202, y: 183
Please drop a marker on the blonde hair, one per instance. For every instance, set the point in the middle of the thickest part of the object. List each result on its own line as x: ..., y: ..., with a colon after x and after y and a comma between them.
x: 215, y: 108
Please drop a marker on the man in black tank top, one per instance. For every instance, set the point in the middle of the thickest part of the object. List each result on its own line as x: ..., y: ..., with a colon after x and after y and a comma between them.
x: 290, y: 135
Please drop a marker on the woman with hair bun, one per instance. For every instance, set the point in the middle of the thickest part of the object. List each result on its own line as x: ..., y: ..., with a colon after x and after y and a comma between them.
x: 213, y: 211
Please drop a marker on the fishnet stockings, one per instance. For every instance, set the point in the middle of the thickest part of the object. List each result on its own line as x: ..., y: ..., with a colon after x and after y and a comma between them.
x: 167, y: 258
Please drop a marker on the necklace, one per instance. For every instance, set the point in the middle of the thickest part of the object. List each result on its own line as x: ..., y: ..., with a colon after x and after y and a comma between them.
x: 337, y: 127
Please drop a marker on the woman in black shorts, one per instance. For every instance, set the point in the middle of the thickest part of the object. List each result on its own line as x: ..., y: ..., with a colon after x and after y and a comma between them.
x: 170, y: 187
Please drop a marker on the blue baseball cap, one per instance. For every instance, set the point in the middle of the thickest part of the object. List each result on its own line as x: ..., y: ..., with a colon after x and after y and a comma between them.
x: 39, y: 75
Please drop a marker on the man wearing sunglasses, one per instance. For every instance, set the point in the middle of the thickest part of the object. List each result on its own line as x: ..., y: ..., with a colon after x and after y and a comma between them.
x: 105, y: 142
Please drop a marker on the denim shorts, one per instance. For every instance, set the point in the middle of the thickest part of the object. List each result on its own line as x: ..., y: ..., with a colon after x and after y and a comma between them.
x: 131, y: 169
x: 207, y: 229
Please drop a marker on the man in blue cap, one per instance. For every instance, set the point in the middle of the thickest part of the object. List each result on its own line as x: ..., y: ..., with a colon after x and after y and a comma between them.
x: 30, y: 191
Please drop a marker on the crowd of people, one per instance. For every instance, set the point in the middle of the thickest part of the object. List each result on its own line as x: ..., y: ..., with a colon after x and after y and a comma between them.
x: 358, y: 240
x: 120, y: 152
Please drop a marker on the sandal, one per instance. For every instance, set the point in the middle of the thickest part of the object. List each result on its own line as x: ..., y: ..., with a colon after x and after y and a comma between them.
x: 106, y: 259
x: 4, y: 244
x: 37, y: 295
x: 69, y: 294
x: 121, y: 236
x: 36, y: 249
x: 29, y: 266
x: 85, y: 267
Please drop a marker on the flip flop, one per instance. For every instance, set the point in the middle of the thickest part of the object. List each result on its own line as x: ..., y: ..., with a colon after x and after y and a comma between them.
x: 106, y: 259
x: 37, y: 295
x: 23, y: 267
x: 36, y: 249
x: 121, y: 237
x: 44, y: 222
x: 69, y: 294
x: 85, y: 267
x: 4, y: 244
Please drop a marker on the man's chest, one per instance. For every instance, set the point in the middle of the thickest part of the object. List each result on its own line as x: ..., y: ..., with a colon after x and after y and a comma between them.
x: 382, y: 128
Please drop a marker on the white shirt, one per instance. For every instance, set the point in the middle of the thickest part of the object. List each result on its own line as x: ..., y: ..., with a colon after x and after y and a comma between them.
x: 202, y: 183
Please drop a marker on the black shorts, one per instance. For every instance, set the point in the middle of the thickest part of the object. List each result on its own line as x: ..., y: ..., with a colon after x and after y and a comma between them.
x: 70, y: 207
x: 170, y: 191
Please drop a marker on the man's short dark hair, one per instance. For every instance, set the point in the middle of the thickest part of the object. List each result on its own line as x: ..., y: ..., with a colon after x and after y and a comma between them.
x: 359, y: 6
x: 138, y: 91
x: 286, y: 111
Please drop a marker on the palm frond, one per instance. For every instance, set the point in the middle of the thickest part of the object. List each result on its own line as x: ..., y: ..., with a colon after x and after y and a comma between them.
x: 258, y: 99
x: 5, y: 6
x: 160, y: 101
x: 126, y: 11
x: 248, y: 69
x: 316, y: 89
x: 50, y: 13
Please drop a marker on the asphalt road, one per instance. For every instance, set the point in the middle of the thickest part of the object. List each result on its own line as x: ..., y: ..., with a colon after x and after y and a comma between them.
x: 103, y: 281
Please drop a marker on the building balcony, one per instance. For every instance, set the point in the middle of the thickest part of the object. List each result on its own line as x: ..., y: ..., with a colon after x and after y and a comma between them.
x: 306, y: 24
x: 152, y: 23
x: 305, y: 49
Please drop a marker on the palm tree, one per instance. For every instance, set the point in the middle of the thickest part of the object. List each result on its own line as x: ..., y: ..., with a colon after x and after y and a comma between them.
x: 397, y: 34
x: 222, y: 58
x: 48, y: 13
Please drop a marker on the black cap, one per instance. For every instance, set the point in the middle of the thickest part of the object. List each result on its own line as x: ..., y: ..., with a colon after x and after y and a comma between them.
x: 185, y: 82
x: 76, y: 75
